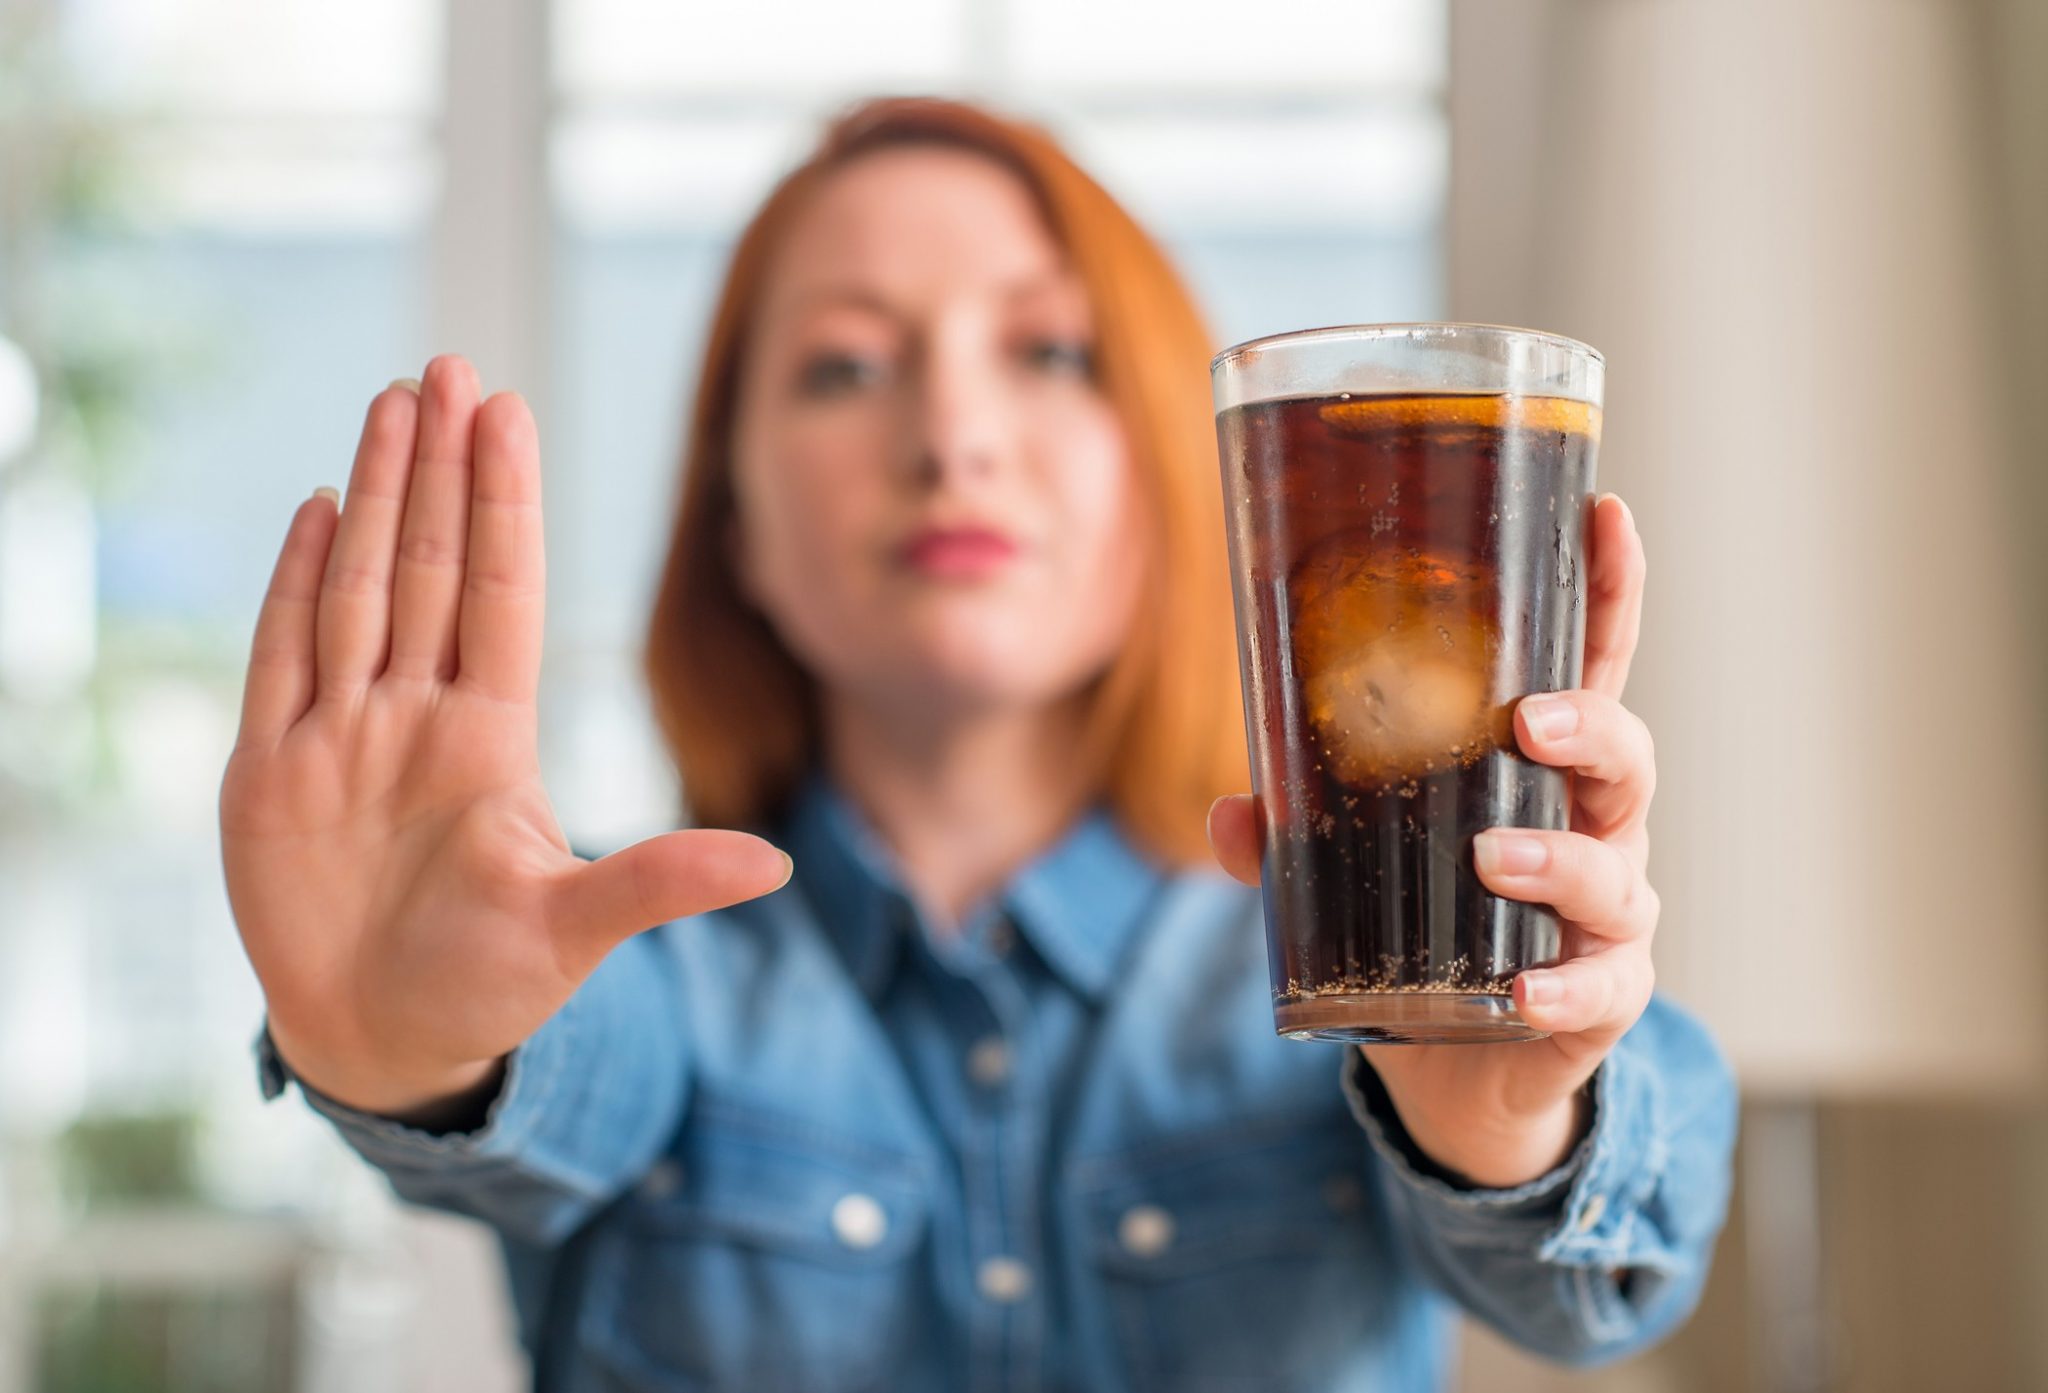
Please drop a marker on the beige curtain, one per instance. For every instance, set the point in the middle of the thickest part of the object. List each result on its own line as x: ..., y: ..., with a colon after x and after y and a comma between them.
x: 1795, y: 229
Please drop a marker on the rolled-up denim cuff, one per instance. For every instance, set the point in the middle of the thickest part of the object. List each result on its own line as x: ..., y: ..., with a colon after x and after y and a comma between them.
x: 1544, y: 1214
x: 532, y: 1072
x: 596, y: 1090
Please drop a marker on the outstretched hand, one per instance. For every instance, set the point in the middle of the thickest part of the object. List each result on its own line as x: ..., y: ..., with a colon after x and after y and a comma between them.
x: 405, y: 895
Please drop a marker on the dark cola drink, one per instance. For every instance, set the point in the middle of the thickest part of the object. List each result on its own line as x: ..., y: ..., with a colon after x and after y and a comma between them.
x: 1407, y: 566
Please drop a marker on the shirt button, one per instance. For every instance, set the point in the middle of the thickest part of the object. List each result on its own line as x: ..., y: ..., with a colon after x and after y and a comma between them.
x: 1590, y: 1215
x: 1000, y: 937
x: 663, y: 1179
x: 858, y: 1222
x: 1145, y: 1230
x: 1004, y: 1280
x: 988, y: 1063
x: 1343, y: 1193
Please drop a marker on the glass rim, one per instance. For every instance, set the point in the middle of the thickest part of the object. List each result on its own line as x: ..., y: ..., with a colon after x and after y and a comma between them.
x: 1447, y: 328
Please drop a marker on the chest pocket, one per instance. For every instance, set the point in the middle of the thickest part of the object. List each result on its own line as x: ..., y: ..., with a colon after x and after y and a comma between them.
x: 1242, y: 1260
x: 763, y: 1253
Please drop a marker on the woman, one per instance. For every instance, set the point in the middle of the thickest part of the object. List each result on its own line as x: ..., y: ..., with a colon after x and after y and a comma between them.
x: 989, y: 1096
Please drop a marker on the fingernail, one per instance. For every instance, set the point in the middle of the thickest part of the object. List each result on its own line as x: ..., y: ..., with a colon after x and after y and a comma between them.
x: 332, y: 495
x: 1551, y: 717
x: 788, y: 869
x: 1540, y: 988
x: 411, y: 384
x: 1509, y: 853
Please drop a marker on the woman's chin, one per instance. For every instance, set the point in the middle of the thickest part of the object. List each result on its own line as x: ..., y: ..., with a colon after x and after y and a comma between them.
x: 973, y: 677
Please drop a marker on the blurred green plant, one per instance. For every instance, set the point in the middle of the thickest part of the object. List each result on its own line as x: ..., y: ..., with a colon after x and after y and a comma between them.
x: 68, y: 173
x: 236, y: 1340
x: 78, y: 189
x: 179, y: 1316
x: 114, y: 1159
x: 221, y: 1329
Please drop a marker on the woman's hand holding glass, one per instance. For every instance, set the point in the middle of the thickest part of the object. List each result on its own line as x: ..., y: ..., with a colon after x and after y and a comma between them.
x: 404, y: 892
x: 1503, y: 1114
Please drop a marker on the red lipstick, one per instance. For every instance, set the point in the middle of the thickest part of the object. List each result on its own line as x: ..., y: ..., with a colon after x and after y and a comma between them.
x: 956, y: 553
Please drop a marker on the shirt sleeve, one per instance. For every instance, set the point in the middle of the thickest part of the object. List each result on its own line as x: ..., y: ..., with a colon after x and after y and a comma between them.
x: 586, y: 1105
x: 1607, y: 1253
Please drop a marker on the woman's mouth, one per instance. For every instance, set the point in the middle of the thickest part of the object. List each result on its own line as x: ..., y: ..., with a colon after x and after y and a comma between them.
x: 956, y: 553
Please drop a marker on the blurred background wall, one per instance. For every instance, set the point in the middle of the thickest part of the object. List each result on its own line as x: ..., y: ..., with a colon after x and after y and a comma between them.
x: 1806, y: 233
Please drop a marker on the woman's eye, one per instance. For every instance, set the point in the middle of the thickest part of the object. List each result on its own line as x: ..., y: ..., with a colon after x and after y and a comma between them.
x: 829, y: 373
x: 1061, y: 355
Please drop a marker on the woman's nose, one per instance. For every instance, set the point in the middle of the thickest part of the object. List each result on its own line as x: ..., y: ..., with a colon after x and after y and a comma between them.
x: 961, y: 425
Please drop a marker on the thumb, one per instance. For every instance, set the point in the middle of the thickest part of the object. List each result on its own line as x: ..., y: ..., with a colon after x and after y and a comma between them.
x: 601, y: 903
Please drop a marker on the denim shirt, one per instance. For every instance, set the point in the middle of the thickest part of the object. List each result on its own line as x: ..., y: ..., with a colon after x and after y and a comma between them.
x: 808, y: 1143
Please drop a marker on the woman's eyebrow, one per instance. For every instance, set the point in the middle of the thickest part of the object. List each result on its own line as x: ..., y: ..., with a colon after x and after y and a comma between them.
x: 856, y: 297
x: 1063, y: 284
x: 1060, y: 284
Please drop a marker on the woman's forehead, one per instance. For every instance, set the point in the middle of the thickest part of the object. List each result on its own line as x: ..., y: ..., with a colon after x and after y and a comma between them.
x: 902, y: 227
x: 1057, y: 290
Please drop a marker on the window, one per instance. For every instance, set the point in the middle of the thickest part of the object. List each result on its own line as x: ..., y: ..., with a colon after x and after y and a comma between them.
x: 222, y: 263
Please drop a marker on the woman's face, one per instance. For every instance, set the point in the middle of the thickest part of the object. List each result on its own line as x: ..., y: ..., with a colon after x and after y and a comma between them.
x: 936, y: 508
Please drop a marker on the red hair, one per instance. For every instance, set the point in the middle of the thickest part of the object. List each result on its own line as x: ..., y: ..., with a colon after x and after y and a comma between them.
x: 1165, y: 726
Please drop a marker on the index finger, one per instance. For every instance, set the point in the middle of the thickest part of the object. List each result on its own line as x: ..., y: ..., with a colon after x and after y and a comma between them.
x: 1614, y: 589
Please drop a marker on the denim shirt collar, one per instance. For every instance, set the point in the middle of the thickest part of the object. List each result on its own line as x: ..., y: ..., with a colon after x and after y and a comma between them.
x: 1078, y: 903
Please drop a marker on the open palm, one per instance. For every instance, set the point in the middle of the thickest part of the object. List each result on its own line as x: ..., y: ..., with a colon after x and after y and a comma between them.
x: 400, y: 882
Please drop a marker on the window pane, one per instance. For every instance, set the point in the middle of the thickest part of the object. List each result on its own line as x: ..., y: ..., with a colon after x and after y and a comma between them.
x: 1282, y: 46
x: 1382, y: 170
x: 634, y: 306
x: 255, y: 179
x: 364, y: 57
x: 610, y: 49
x: 280, y: 343
x: 616, y: 171
x: 1254, y: 283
